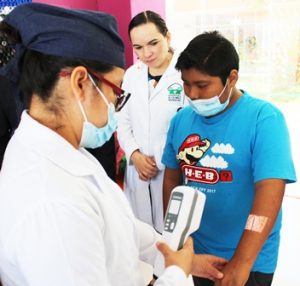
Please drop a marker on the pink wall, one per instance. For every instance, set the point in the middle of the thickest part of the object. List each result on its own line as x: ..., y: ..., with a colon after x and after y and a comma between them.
x: 157, y: 6
x: 123, y: 16
x: 123, y: 13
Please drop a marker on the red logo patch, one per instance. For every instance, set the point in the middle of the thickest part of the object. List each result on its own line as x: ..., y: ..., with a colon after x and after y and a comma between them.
x: 225, y: 176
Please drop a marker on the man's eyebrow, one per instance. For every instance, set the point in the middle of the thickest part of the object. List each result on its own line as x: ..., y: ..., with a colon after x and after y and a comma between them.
x: 197, y: 81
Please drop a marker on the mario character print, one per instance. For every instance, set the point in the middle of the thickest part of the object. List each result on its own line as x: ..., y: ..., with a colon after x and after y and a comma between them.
x: 192, y: 149
x: 191, y: 155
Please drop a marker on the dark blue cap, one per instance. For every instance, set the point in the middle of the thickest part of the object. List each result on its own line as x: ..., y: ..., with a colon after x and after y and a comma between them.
x: 71, y: 33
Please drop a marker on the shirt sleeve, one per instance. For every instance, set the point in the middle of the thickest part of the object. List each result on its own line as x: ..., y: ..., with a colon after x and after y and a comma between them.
x: 169, y: 154
x: 61, y: 245
x: 147, y: 238
x: 272, y: 156
x: 172, y: 276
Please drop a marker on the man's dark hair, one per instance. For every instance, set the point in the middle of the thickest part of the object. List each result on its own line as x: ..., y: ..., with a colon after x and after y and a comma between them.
x: 210, y: 53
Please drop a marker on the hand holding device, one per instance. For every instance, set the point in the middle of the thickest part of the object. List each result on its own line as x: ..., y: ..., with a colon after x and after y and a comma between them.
x: 182, y: 218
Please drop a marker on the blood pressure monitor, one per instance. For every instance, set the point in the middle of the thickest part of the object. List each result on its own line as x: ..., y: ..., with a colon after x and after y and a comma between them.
x: 182, y: 218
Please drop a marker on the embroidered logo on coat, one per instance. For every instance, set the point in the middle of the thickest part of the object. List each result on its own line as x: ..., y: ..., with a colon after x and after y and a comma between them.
x: 175, y: 92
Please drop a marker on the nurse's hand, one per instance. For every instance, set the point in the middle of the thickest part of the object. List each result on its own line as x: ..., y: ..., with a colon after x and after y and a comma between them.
x: 144, y: 165
x: 183, y: 258
x: 208, y: 266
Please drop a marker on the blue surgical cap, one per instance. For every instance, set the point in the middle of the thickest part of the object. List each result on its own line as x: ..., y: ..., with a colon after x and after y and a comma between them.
x: 70, y: 33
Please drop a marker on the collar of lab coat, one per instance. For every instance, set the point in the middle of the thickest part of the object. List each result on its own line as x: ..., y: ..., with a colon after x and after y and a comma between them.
x: 55, y: 148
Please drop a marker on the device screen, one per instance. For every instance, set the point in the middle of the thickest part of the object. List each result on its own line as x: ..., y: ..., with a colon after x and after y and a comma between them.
x: 174, y: 207
x: 173, y: 211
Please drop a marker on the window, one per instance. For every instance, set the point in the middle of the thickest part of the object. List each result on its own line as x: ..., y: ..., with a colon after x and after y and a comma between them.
x: 265, y: 33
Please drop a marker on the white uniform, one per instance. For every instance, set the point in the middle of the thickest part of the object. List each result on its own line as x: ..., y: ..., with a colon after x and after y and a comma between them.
x: 63, y: 222
x: 143, y: 125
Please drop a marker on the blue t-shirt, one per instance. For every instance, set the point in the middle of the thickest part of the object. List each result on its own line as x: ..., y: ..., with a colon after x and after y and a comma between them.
x: 223, y: 157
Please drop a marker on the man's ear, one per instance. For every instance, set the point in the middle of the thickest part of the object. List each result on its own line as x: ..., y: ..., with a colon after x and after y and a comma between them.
x: 79, y: 82
x: 233, y: 78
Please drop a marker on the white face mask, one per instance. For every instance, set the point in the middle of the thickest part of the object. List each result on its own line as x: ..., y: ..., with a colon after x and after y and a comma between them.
x: 211, y: 106
x: 92, y: 136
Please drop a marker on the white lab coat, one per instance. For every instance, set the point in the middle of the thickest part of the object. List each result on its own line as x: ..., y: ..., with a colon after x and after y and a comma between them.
x: 143, y: 125
x: 63, y: 222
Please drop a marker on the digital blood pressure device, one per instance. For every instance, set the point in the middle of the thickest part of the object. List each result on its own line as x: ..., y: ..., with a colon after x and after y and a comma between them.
x: 182, y: 218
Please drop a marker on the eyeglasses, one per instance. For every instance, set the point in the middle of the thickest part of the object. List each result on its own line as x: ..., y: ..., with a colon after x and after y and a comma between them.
x: 121, y: 95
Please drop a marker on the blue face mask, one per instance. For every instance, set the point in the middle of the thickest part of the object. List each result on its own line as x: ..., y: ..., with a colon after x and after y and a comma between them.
x: 211, y: 106
x: 92, y: 136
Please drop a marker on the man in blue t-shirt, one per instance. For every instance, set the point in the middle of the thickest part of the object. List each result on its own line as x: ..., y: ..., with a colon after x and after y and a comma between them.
x: 234, y: 148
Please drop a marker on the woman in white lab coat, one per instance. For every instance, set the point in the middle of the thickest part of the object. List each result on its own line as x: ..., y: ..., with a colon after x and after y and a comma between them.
x: 63, y: 222
x: 156, y: 95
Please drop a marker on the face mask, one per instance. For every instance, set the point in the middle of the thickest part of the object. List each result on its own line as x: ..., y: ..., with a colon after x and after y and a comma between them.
x: 211, y: 106
x: 92, y: 136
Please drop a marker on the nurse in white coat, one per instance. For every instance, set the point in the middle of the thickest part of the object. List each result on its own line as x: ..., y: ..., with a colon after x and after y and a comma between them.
x: 63, y: 222
x: 156, y: 95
